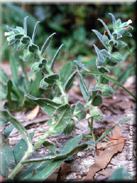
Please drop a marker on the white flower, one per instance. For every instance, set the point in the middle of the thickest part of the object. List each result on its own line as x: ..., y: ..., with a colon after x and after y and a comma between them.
x: 129, y: 22
x: 8, y: 39
x: 7, y: 34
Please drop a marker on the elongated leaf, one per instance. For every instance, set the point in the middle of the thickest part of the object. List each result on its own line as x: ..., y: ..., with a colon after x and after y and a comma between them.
x: 71, y: 144
x: 23, y: 68
x: 9, y: 157
x: 100, y: 59
x: 55, y: 57
x: 25, y: 25
x: 44, y: 170
x: 3, y: 92
x: 34, y: 31
x: 106, y: 132
x: 69, y: 81
x: 61, y: 118
x: 47, y: 105
x: 105, y: 27
x: 65, y: 72
x: 9, y: 28
x: 113, y: 20
x: 111, y: 79
x: 7, y: 116
x: 35, y: 91
x: 70, y: 148
x: 3, y: 77
x: 81, y: 65
x: 4, y: 166
x: 100, y: 37
x: 27, y: 174
x: 83, y: 87
x: 46, y: 43
x: 40, y: 171
x: 9, y: 88
x: 14, y: 68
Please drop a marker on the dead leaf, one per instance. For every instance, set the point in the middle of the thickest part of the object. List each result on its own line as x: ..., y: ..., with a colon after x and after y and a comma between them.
x: 64, y: 169
x: 53, y: 177
x: 129, y: 82
x: 105, y: 156
x: 33, y: 113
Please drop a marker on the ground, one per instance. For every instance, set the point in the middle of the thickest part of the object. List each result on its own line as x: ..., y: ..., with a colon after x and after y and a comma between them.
x: 118, y: 107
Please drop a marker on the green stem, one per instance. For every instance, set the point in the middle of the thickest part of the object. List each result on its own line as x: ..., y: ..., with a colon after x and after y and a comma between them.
x: 91, y: 99
x: 99, y: 81
x: 29, y: 152
x: 20, y: 165
x: 91, y: 129
x: 57, y: 82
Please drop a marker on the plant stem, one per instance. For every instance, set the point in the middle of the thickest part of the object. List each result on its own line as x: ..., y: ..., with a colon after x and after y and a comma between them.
x: 57, y: 82
x: 29, y: 152
x: 20, y: 165
x: 99, y: 81
x: 91, y: 129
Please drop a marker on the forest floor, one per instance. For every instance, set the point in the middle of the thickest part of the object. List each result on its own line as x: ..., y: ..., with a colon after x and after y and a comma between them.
x: 111, y: 154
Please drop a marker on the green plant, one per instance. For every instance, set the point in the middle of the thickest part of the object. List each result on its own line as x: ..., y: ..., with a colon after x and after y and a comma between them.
x: 14, y: 90
x: 58, y: 108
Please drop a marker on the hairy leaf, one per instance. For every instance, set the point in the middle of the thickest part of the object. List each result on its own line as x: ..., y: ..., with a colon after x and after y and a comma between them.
x: 61, y: 118
x: 80, y: 111
x: 46, y: 43
x: 47, y: 105
x: 9, y: 117
x: 65, y: 72
x: 81, y: 65
x: 69, y: 81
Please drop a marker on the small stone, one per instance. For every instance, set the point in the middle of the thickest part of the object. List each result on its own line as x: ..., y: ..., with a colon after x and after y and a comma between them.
x: 79, y: 177
x: 80, y: 154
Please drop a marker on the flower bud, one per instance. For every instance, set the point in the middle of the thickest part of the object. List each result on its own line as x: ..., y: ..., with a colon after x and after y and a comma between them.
x: 8, y: 39
x: 7, y: 34
x: 129, y: 22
